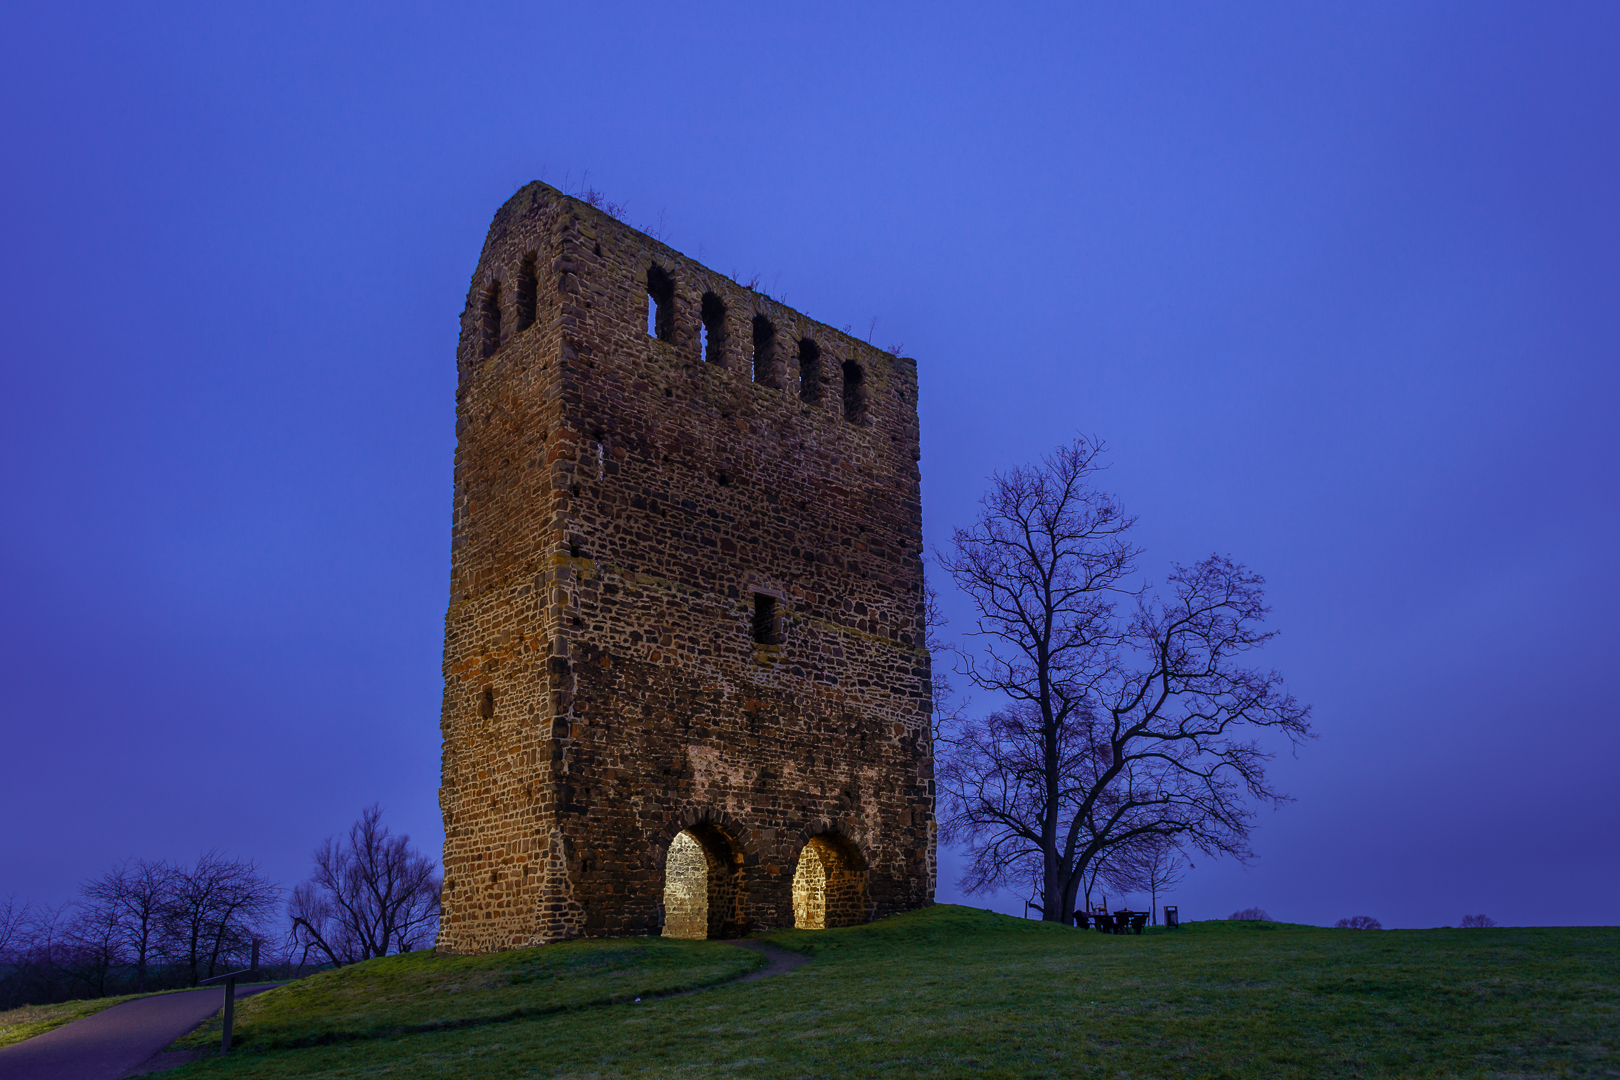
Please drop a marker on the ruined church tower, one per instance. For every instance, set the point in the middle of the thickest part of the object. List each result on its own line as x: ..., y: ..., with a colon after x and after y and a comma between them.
x: 685, y: 683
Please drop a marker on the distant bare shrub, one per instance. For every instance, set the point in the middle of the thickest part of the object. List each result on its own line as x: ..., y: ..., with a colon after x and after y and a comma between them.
x: 13, y: 919
x: 1253, y: 914
x: 1359, y: 922
x: 1471, y: 922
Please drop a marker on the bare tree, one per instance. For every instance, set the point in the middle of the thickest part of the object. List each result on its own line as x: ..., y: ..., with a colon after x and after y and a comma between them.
x: 1358, y: 922
x: 374, y: 895
x: 49, y: 953
x: 40, y: 954
x: 94, y: 943
x: 1152, y: 865
x: 1118, y: 726
x: 1472, y: 922
x: 1250, y: 914
x: 13, y: 918
x: 141, y: 891
x: 946, y: 710
x: 14, y: 922
x: 214, y: 909
x: 1104, y: 875
x: 133, y: 926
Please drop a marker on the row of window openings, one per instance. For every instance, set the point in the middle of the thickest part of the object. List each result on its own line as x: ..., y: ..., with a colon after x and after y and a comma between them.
x: 489, y: 312
x: 661, y: 325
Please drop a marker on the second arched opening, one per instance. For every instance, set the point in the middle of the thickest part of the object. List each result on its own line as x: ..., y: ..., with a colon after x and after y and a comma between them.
x: 829, y: 885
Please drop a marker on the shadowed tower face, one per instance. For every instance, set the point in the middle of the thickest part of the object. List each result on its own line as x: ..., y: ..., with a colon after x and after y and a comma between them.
x: 686, y: 691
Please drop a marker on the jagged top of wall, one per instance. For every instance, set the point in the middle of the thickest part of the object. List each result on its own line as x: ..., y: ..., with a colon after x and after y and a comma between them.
x: 597, y: 223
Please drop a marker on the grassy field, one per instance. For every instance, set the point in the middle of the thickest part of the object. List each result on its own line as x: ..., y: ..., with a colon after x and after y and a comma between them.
x: 953, y: 991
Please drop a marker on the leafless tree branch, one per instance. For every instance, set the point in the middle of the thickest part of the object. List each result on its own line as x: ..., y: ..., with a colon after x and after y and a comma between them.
x: 368, y: 897
x: 1122, y: 728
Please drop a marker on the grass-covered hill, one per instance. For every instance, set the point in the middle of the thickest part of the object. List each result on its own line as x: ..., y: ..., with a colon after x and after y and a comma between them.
x: 954, y: 991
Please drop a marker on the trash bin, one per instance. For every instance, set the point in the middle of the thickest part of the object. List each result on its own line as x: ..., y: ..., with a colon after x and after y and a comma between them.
x: 1170, y: 916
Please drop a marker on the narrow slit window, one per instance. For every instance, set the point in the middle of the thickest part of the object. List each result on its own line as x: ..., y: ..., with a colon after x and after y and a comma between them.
x: 527, y: 287
x: 809, y: 371
x: 854, y: 392
x: 764, y: 348
x: 714, y: 329
x: 660, y: 303
x: 490, y: 321
x: 765, y: 624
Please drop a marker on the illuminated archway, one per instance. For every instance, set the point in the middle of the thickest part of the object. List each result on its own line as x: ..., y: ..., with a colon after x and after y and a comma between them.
x: 829, y: 885
x: 686, y: 889
x: 702, y: 894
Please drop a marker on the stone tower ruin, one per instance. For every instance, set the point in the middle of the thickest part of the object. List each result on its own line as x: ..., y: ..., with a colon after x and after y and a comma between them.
x: 685, y: 683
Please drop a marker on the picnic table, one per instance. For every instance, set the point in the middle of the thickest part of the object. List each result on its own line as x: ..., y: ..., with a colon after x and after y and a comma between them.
x: 1130, y: 920
x: 1117, y: 922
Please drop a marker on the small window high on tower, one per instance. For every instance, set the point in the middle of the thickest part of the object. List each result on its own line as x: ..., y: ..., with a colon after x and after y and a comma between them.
x: 854, y: 393
x: 660, y: 303
x: 527, y: 286
x: 809, y: 371
x: 764, y: 348
x: 489, y: 328
x: 714, y: 328
x: 767, y: 631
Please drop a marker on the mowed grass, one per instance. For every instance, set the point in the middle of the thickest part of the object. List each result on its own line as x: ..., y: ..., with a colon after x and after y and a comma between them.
x: 420, y: 992
x: 953, y: 991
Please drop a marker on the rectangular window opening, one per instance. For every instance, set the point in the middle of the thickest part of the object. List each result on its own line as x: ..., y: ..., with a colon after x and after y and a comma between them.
x: 660, y: 303
x: 764, y: 349
x: 766, y: 630
x: 854, y: 393
x: 809, y: 371
x: 527, y: 287
x: 490, y: 321
x: 714, y: 329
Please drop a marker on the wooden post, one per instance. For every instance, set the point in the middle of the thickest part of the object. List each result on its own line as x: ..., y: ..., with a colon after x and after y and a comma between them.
x: 230, y: 1009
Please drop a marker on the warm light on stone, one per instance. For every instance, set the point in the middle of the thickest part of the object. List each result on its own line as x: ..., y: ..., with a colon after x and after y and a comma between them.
x: 829, y: 889
x: 686, y: 889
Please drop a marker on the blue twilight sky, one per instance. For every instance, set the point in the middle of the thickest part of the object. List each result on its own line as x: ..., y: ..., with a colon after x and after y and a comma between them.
x: 1339, y: 284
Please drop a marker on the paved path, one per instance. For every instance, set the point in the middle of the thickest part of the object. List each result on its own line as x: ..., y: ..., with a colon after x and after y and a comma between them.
x: 114, y: 1041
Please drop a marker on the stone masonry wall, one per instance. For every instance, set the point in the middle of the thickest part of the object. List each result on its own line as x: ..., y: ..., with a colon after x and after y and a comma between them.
x: 612, y: 676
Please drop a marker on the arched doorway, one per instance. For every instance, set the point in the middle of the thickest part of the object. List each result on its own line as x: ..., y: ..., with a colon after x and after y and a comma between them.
x: 702, y: 897
x: 829, y: 886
